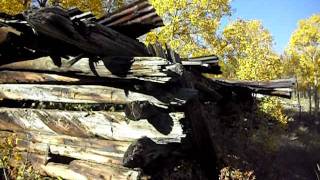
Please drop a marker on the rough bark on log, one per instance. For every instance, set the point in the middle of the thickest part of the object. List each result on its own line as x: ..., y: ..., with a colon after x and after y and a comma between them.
x: 107, y: 125
x: 152, y: 69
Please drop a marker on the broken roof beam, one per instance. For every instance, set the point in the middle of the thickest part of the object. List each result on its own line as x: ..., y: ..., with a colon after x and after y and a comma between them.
x: 281, y: 87
x: 133, y: 20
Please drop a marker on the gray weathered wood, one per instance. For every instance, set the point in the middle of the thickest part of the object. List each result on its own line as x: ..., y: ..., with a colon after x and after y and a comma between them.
x: 99, y: 171
x: 152, y: 69
x: 280, y: 87
x: 92, y: 150
x: 72, y: 94
x: 107, y: 125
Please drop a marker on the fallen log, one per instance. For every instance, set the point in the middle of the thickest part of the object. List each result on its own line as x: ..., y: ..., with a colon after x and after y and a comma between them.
x: 106, y: 125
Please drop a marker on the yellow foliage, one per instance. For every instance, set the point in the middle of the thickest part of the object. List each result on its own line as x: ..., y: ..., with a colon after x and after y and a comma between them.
x: 9, y: 154
x: 272, y: 106
x: 227, y: 173
x: 95, y: 6
x: 248, y: 53
x: 191, y: 26
x: 304, y: 52
x: 13, y: 6
x: 17, y: 6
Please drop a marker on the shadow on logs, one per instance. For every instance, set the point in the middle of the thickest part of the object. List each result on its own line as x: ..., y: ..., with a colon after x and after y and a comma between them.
x: 162, y: 161
x: 157, y: 117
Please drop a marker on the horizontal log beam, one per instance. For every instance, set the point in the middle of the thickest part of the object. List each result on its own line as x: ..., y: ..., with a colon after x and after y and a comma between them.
x: 151, y: 69
x: 73, y: 94
x: 107, y: 125
x: 281, y: 87
x: 99, y: 171
x: 92, y: 150
x: 76, y: 169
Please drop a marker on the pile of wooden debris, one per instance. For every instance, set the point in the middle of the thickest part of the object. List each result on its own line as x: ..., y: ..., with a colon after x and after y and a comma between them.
x: 144, y: 109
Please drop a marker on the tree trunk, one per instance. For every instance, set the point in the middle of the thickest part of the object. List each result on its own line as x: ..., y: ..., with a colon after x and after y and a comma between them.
x: 299, y: 101
x: 310, y: 100
x: 316, y: 100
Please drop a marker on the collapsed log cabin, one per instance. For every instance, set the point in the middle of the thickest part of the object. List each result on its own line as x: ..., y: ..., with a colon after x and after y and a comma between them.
x: 86, y: 100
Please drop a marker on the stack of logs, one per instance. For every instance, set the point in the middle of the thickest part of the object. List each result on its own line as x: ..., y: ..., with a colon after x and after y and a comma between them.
x: 86, y: 121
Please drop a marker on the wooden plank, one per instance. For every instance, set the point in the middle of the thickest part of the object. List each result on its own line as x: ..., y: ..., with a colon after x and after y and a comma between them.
x: 73, y: 94
x: 152, y: 69
x: 107, y: 125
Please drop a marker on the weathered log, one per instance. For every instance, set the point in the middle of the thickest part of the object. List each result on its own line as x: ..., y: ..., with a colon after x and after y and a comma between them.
x: 133, y: 20
x: 51, y: 154
x: 142, y: 68
x: 98, y: 171
x: 73, y: 94
x: 12, y: 77
x: 100, y: 151
x: 37, y: 161
x: 95, y: 94
x: 201, y: 123
x: 76, y: 169
x: 203, y: 135
x: 62, y: 171
x: 107, y: 125
x: 54, y: 139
